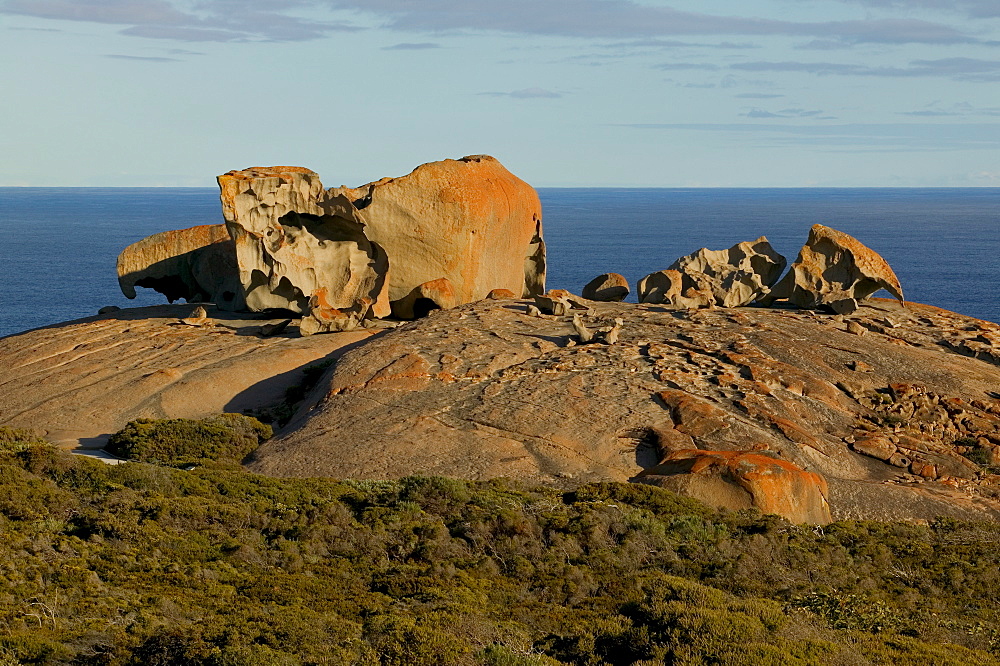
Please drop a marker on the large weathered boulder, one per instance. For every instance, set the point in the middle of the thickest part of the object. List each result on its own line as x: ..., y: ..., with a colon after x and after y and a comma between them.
x: 196, y: 264
x: 293, y: 240
x: 470, y: 221
x: 744, y: 479
x: 735, y: 277
x: 835, y: 271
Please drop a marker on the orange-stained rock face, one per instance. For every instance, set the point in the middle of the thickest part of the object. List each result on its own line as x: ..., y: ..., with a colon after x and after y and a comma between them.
x: 469, y: 220
x: 744, y: 479
x: 835, y: 271
x: 196, y: 264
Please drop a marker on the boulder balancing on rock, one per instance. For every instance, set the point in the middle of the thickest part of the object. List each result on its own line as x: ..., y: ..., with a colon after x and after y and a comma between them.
x: 456, y: 229
x: 835, y: 271
x: 609, y: 287
x: 743, y: 479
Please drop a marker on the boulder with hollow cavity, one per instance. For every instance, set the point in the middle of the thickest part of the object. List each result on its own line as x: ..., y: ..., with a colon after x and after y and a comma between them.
x: 835, y: 271
x: 735, y: 277
x: 433, y: 295
x: 294, y: 240
x: 744, y: 479
x: 197, y: 264
x: 608, y: 287
x: 470, y: 221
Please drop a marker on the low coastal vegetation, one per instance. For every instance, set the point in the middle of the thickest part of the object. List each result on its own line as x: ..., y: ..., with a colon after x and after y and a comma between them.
x: 149, y: 564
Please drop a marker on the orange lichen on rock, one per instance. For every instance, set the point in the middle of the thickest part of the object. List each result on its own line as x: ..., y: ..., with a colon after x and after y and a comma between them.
x: 743, y: 479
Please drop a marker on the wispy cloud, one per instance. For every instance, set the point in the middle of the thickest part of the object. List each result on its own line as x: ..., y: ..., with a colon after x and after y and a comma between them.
x: 141, y: 58
x: 786, y: 113
x: 960, y: 69
x: 973, y: 8
x: 681, y: 66
x: 235, y: 20
x: 412, y: 46
x: 938, y: 110
x: 758, y: 96
x: 526, y: 93
x: 204, y: 21
x: 853, y: 137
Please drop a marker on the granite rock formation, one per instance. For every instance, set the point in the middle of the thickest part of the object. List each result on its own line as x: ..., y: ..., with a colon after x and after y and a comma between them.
x: 744, y: 479
x: 295, y: 241
x: 449, y: 232
x: 485, y: 390
x: 470, y: 221
x: 608, y: 287
x: 197, y: 264
x: 738, y: 276
x: 835, y: 271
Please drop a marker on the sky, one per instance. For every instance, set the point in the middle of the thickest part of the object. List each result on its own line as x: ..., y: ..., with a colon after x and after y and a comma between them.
x: 566, y: 93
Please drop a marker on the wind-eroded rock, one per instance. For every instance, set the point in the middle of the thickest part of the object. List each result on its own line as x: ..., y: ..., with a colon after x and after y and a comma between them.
x: 735, y: 277
x: 835, y: 271
x: 486, y: 390
x: 196, y: 264
x: 294, y: 240
x: 728, y: 278
x: 744, y: 479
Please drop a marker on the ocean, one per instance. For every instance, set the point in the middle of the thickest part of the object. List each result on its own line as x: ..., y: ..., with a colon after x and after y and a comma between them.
x: 60, y: 244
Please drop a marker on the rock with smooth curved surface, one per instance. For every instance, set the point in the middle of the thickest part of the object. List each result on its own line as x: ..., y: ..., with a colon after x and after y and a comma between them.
x: 735, y: 277
x: 469, y: 220
x: 294, y: 239
x: 668, y: 288
x: 836, y: 272
x: 608, y: 287
x: 196, y: 264
x: 744, y: 479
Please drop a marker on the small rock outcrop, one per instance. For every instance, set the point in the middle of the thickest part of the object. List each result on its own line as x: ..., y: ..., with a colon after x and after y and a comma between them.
x: 744, y: 479
x: 608, y: 287
x: 196, y: 264
x: 735, y: 277
x: 433, y: 295
x: 668, y: 288
x: 836, y: 272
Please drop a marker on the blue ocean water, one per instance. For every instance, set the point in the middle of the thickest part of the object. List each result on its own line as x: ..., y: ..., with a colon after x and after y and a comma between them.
x: 60, y: 244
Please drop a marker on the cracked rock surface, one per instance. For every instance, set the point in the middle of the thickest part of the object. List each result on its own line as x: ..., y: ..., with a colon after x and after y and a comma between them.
x: 889, y: 419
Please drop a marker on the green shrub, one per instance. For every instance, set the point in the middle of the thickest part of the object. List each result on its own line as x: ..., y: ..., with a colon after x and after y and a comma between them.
x: 177, y: 442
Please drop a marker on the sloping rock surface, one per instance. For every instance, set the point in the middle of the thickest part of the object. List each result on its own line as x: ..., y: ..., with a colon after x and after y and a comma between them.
x: 835, y: 271
x: 83, y: 380
x: 485, y: 390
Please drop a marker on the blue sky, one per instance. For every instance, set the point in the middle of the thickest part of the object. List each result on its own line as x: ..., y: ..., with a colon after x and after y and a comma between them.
x: 565, y: 92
